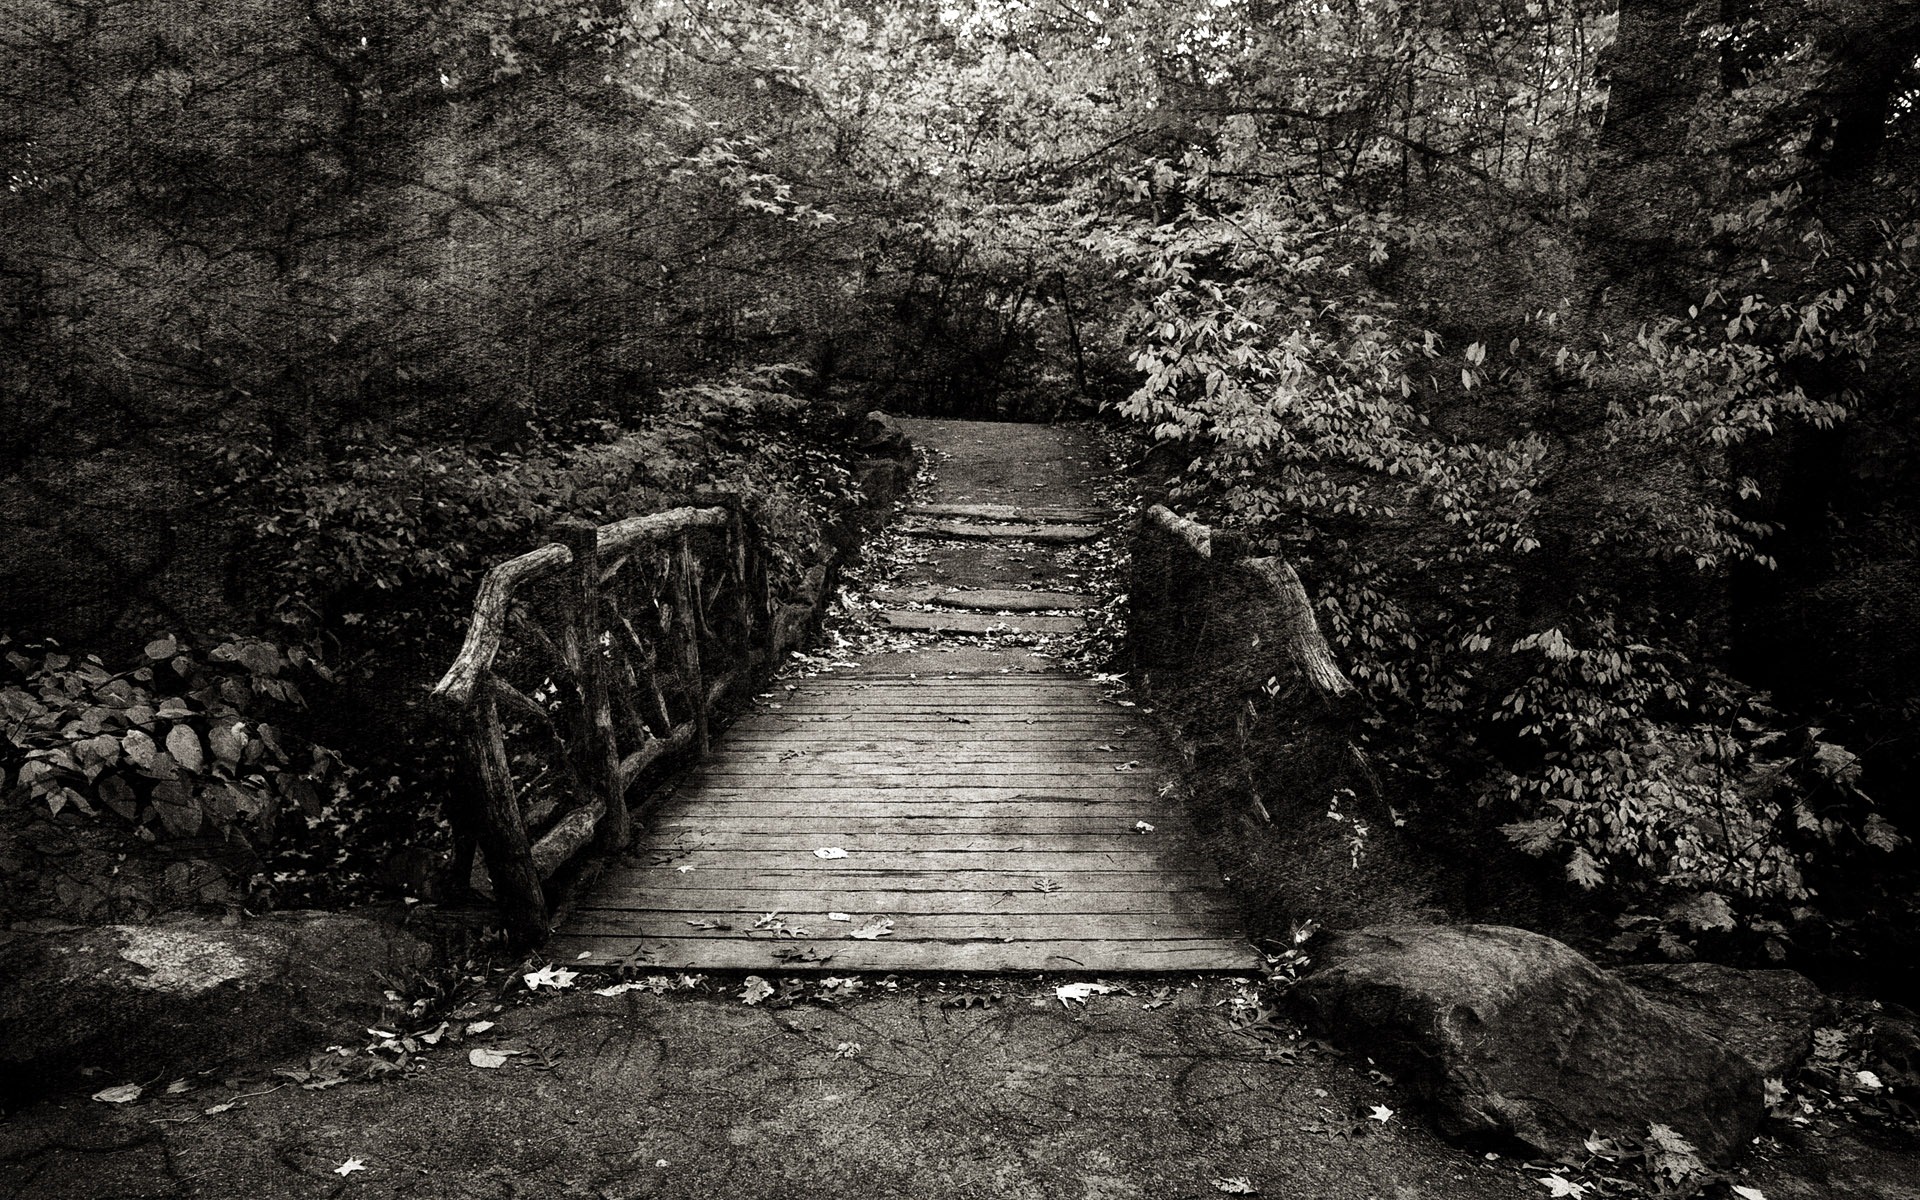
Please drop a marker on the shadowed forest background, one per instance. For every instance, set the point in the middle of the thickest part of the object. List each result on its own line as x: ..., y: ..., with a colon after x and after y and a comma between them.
x: 1566, y: 349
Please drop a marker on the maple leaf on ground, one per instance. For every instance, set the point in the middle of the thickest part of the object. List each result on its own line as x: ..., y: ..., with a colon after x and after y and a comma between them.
x: 1380, y: 1113
x: 1672, y: 1159
x: 1070, y: 992
x: 126, y: 1093
x: 879, y: 927
x: 349, y: 1167
x: 481, y: 1056
x: 756, y: 990
x: 550, y: 976
x: 1557, y: 1186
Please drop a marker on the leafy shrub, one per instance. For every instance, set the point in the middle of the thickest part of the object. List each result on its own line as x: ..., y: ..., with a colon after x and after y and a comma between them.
x: 186, y: 755
x: 1519, y: 551
x: 171, y: 748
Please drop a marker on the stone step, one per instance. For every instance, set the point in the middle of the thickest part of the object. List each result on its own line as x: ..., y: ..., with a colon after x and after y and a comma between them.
x: 987, y: 599
x: 1054, y: 534
x: 975, y: 622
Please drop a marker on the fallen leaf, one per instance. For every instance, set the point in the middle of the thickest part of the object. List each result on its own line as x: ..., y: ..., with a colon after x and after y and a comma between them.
x: 619, y: 988
x: 349, y: 1167
x: 879, y: 927
x: 550, y: 976
x: 481, y: 1056
x: 1380, y: 1113
x: 830, y: 852
x: 683, y: 870
x: 1128, y: 765
x: 1239, y: 1185
x: 229, y: 1106
x: 474, y: 1027
x: 757, y: 989
x: 178, y: 1086
x: 1557, y: 1186
x: 1070, y: 992
x: 1747, y: 1193
x: 1142, y: 827
x: 124, y: 1094
x: 839, y: 916
x: 1046, y: 885
x: 847, y: 1050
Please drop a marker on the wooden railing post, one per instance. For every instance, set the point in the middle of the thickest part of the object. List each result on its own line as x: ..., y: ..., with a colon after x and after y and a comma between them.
x: 503, y: 834
x: 689, y: 637
x: 600, y: 768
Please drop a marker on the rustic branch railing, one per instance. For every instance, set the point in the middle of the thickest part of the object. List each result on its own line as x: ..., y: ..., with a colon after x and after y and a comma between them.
x: 1231, y: 639
x: 590, y: 661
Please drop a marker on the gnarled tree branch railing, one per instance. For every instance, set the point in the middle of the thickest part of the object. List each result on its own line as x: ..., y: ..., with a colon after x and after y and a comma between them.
x: 590, y: 661
x: 1233, y: 636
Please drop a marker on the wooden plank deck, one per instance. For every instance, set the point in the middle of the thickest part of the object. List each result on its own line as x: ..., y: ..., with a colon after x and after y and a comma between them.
x: 982, y: 815
x: 989, y: 813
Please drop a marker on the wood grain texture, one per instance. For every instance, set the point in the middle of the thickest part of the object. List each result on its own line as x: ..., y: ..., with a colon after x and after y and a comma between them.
x: 981, y: 814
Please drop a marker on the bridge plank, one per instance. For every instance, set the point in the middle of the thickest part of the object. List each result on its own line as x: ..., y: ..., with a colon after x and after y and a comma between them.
x: 666, y: 875
x: 1200, y: 954
x: 713, y: 820
x: 738, y: 924
x: 1117, y: 838
x: 1081, y: 903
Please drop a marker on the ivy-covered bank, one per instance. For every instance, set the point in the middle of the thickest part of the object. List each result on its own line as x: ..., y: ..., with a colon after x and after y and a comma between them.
x: 300, y: 763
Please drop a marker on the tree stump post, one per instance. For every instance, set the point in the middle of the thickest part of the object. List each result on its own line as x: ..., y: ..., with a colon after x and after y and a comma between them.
x: 600, y: 765
x: 688, y: 635
x: 503, y: 834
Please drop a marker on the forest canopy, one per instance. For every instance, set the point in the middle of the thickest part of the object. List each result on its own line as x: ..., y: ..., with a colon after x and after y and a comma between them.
x: 1566, y: 348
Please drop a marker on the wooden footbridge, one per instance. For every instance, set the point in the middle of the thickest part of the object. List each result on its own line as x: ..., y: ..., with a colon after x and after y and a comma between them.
x: 949, y: 807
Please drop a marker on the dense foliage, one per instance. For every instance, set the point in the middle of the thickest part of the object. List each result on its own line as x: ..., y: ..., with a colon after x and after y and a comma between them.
x: 1566, y: 347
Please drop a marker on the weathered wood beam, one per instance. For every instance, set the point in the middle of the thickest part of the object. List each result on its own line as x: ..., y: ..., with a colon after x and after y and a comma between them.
x: 567, y: 838
x: 1304, y: 645
x: 458, y: 686
x: 518, y: 699
x: 1198, y: 537
x: 675, y: 522
x: 689, y: 638
x: 637, y: 762
x: 503, y: 836
x: 600, y: 758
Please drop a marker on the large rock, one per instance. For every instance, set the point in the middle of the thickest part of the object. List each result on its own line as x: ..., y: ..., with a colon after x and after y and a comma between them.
x: 880, y: 436
x: 187, y: 994
x: 1516, y: 1037
x: 1766, y: 1017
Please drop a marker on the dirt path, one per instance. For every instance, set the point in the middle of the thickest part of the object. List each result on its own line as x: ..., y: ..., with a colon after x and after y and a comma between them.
x: 889, y: 1093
